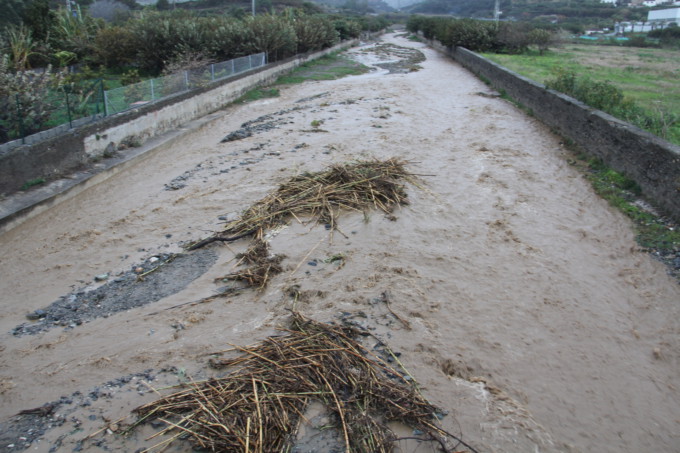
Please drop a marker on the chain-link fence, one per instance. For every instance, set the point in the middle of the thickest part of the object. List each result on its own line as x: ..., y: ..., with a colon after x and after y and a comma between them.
x: 23, y: 115
x: 138, y: 94
x: 27, y: 118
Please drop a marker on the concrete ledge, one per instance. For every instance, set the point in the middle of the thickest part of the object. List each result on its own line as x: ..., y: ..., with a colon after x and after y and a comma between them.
x: 653, y: 163
x: 155, y: 125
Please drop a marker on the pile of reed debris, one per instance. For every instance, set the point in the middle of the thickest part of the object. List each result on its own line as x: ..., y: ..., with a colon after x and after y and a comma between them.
x: 356, y: 186
x: 318, y: 196
x: 259, y: 405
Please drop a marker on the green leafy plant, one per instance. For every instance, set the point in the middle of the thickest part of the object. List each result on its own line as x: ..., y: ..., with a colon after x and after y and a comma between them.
x: 609, y: 98
x: 32, y: 183
x: 26, y: 100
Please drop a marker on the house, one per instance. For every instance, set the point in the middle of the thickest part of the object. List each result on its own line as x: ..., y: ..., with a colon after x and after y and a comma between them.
x: 663, y: 17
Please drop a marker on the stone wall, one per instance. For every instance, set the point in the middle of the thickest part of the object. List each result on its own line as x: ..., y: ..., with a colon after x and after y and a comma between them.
x: 653, y: 163
x: 54, y: 156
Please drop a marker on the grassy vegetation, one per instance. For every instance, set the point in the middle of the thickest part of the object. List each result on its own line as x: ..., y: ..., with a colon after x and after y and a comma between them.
x: 257, y: 94
x: 331, y: 67
x: 623, y: 193
x: 649, y: 77
x: 32, y: 183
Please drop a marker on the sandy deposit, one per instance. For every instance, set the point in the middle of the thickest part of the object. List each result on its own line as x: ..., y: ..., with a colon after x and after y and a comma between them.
x: 533, y: 319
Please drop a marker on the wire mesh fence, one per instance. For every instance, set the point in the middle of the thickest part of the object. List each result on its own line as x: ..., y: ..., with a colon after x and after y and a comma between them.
x: 25, y: 114
x: 151, y: 90
x: 26, y: 118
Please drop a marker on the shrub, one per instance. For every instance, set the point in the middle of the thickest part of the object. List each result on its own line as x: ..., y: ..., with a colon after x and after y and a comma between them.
x: 227, y: 38
x: 481, y: 36
x: 314, y: 33
x: 540, y: 38
x: 600, y: 95
x: 347, y: 29
x: 607, y: 97
x: 272, y: 34
x: 74, y: 33
x: 115, y: 46
x: 25, y: 105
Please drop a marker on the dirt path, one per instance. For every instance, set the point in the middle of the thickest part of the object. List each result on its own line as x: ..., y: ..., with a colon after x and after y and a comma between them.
x: 533, y: 318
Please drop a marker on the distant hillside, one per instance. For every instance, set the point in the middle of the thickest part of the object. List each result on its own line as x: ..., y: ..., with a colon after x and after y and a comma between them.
x: 462, y: 8
x: 588, y: 12
x: 399, y: 4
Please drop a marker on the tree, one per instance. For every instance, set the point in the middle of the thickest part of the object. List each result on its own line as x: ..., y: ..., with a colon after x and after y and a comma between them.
x: 12, y: 11
x: 540, y: 38
x: 38, y: 17
x: 162, y: 5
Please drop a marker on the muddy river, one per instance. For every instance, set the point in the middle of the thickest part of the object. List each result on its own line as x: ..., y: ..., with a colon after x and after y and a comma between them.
x: 533, y: 318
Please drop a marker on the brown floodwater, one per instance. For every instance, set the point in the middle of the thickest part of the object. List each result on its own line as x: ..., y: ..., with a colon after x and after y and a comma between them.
x: 534, y: 320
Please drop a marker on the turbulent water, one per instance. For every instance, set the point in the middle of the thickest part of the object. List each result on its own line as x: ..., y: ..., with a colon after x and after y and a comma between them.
x: 532, y: 318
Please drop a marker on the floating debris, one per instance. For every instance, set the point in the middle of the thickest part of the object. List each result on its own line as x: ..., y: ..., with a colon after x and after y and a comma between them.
x: 356, y: 186
x: 260, y: 404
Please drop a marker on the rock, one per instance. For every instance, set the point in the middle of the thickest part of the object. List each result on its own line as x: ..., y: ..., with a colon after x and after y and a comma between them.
x: 101, y: 277
x: 237, y: 135
x: 38, y: 314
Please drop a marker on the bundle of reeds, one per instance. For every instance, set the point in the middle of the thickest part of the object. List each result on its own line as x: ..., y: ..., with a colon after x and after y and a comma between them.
x: 260, y: 265
x: 320, y: 195
x: 259, y: 405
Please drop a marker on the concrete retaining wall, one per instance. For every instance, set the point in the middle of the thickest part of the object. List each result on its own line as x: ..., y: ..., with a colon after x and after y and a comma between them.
x: 75, y: 148
x: 648, y: 160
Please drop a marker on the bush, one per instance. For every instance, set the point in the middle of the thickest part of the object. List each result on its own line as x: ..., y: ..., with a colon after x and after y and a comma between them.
x: 272, y: 34
x: 540, y: 38
x: 24, y: 100
x: 481, y: 36
x: 314, y: 33
x: 600, y: 95
x: 227, y: 38
x: 347, y: 29
x: 607, y: 97
x: 115, y: 46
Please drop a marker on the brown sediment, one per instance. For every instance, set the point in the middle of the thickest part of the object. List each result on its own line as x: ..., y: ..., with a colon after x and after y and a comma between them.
x: 529, y: 311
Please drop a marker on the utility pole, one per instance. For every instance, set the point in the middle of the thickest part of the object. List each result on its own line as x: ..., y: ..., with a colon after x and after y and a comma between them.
x: 497, y: 10
x: 253, y: 8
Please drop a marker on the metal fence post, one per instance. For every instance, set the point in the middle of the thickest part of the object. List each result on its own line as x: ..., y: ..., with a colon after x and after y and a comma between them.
x: 186, y: 80
x: 212, y: 72
x: 106, y: 100
x: 68, y: 111
x: 20, y: 118
x: 232, y: 65
x: 152, y: 92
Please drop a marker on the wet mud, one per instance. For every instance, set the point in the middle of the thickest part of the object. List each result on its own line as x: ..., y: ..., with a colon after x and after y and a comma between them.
x: 517, y: 298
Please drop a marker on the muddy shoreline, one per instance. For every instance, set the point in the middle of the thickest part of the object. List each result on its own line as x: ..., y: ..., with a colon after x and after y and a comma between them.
x: 531, y: 312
